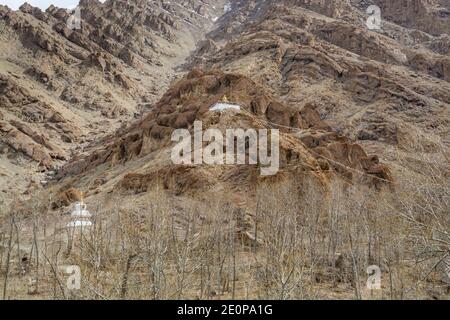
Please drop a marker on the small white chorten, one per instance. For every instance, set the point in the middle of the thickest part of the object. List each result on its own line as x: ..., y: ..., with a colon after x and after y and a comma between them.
x: 75, y: 224
x: 80, y: 216
x: 80, y: 210
x: 224, y: 105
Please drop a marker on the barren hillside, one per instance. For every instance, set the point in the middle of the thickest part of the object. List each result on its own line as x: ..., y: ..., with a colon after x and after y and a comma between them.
x: 363, y: 115
x: 63, y: 87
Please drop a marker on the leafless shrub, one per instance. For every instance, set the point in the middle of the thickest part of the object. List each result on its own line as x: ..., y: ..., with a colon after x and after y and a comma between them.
x: 302, y: 239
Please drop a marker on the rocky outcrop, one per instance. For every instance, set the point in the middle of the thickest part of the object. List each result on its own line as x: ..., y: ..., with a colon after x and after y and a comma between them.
x: 67, y: 197
x: 25, y: 144
x: 348, y: 71
x: 431, y: 16
x: 301, y: 127
x: 64, y: 84
x: 336, y: 90
x: 29, y: 122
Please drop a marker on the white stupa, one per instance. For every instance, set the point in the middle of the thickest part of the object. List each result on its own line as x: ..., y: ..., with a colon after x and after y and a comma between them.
x: 224, y: 105
x: 79, y: 223
x: 80, y: 210
x: 80, y: 216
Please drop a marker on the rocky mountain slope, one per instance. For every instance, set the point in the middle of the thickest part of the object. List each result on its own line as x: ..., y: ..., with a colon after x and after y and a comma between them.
x: 325, y: 79
x: 360, y: 112
x: 383, y: 88
x: 65, y: 83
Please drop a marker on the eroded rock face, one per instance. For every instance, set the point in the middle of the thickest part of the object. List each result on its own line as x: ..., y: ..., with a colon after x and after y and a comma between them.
x: 91, y: 110
x: 431, y: 16
x: 306, y: 139
x: 28, y: 123
x: 67, y: 197
x: 369, y: 85
x: 64, y: 84
x: 312, y: 66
